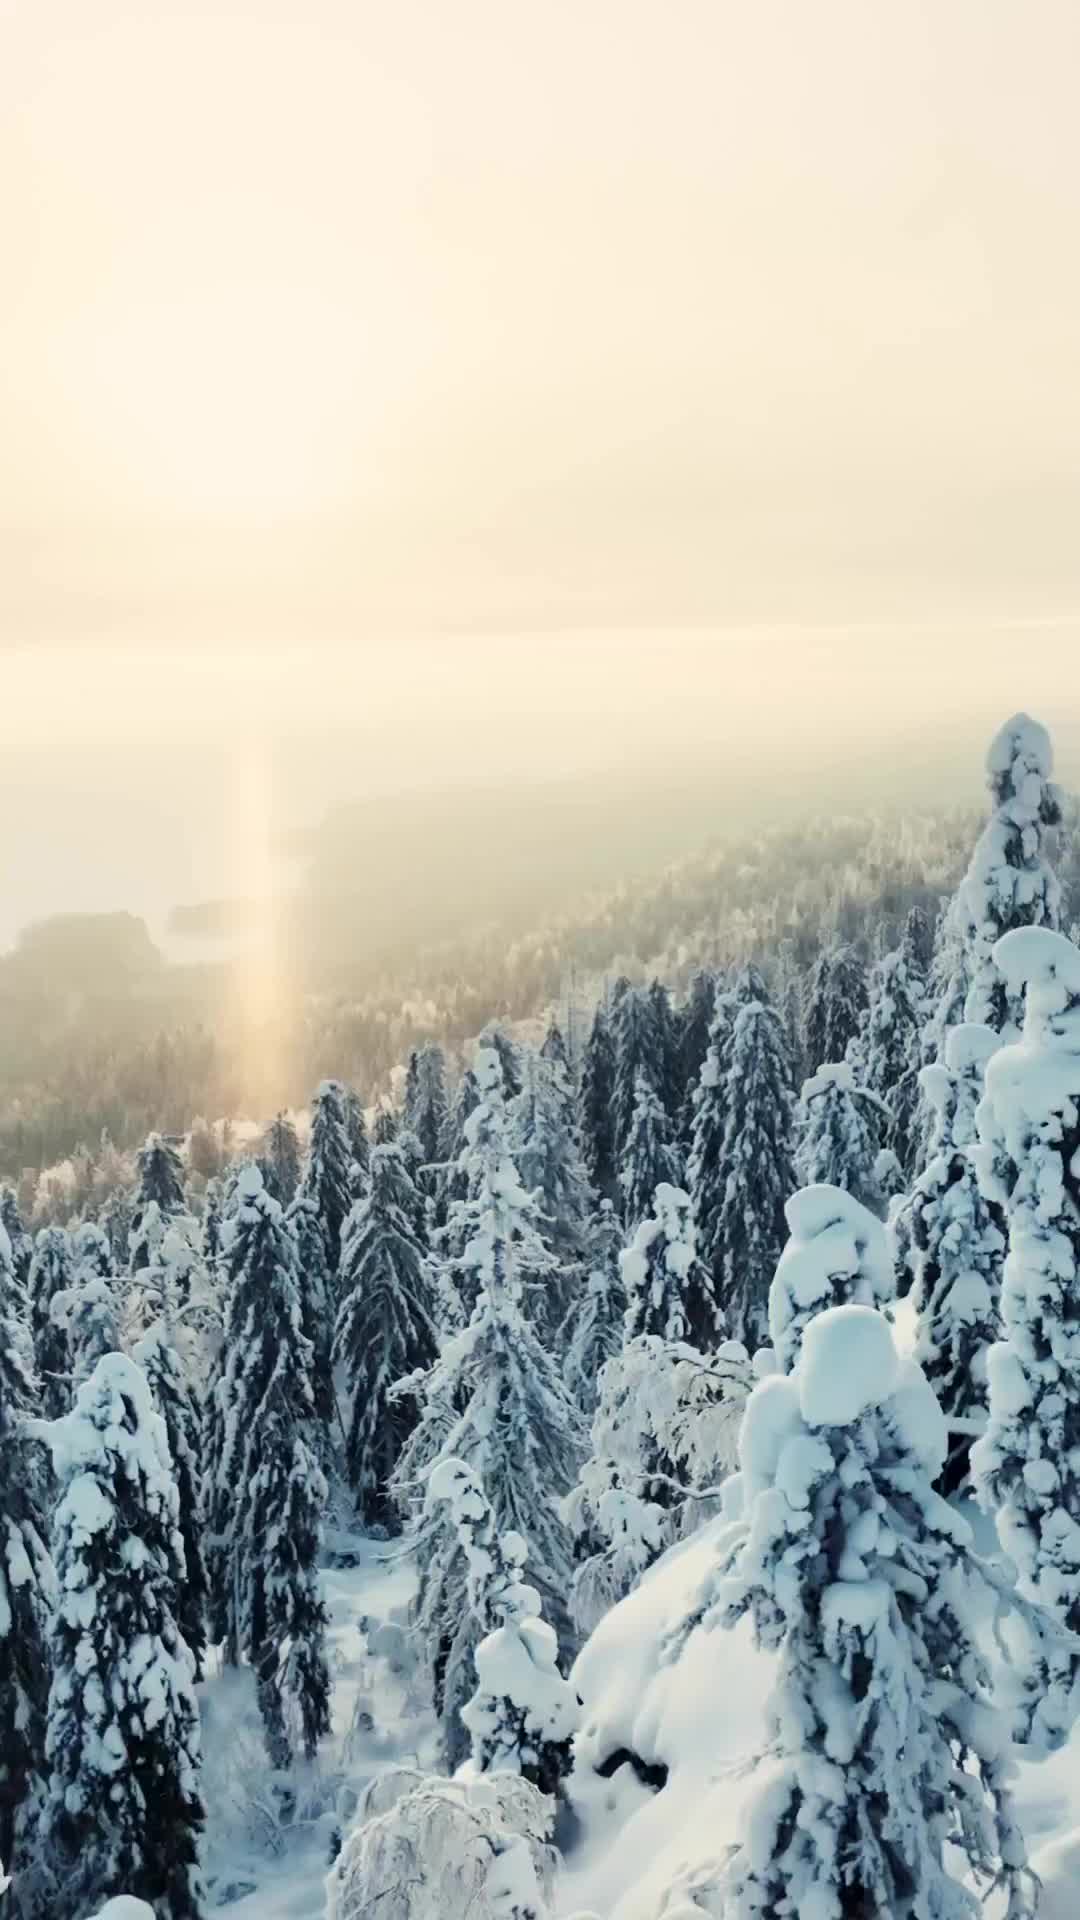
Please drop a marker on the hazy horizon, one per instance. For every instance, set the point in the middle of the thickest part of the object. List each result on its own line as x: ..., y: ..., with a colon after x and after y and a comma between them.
x: 396, y: 397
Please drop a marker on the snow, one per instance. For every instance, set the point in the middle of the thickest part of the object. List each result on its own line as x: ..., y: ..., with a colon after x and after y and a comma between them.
x: 837, y: 1253
x: 848, y: 1363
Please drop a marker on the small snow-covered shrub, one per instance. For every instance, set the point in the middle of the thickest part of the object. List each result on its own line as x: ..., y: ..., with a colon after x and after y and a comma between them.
x: 427, y: 1848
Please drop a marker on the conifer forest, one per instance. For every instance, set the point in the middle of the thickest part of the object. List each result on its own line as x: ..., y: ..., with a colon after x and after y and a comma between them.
x: 619, y: 1464
x: 539, y: 960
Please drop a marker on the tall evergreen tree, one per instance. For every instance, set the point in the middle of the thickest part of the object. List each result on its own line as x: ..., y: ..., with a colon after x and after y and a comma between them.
x: 650, y: 1156
x: 27, y: 1589
x: 889, y: 1054
x: 594, y: 1330
x: 427, y: 1114
x: 211, y: 1223
x: 93, y: 1306
x: 51, y: 1279
x: 695, y: 1026
x: 161, y: 1183
x: 595, y: 1108
x: 280, y: 1159
x: 835, y: 1004
x: 116, y: 1218
x: 887, y: 1767
x: 124, y: 1812
x: 553, y: 1050
x: 950, y: 1248
x: 1009, y: 883
x: 327, y: 1181
x: 384, y: 1332
x: 497, y: 1039
x: 1027, y: 1464
x: 523, y: 1716
x: 316, y: 1315
x: 639, y: 1055
x: 707, y: 1170
x: 669, y: 1291
x: 544, y: 1143
x: 667, y: 1038
x: 20, y: 1242
x: 495, y: 1401
x: 359, y: 1144
x: 385, y: 1130
x: 175, y: 1402
x: 454, y: 1184
x: 838, y: 1128
x: 749, y: 1228
x: 266, y: 1489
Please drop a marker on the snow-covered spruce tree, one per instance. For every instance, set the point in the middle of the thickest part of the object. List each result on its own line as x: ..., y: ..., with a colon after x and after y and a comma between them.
x: 1027, y: 1464
x: 384, y: 1331
x: 888, y: 1754
x: 210, y: 1239
x: 639, y: 1055
x: 595, y: 1110
x: 20, y: 1242
x: 359, y: 1144
x: 834, y: 1005
x: 1009, y: 883
x: 666, y: 1029
x: 664, y: 1435
x: 91, y: 1311
x: 27, y: 1591
x: 949, y: 1244
x: 386, y: 1126
x: 123, y: 1812
x: 695, y: 1028
x: 51, y: 1277
x: 316, y: 1314
x: 650, y: 1158
x: 594, y: 1329
x: 175, y: 1402
x: 327, y: 1181
x: 427, y: 1113
x: 669, y: 1291
x: 496, y: 1401
x: 489, y: 1137
x: 755, y: 1156
x: 116, y: 1217
x: 280, y: 1159
x: 888, y: 1054
x: 838, y: 1135
x: 553, y: 1050
x: 161, y: 1183
x: 454, y: 1181
x: 838, y: 1255
x: 426, y: 1848
x: 523, y: 1715
x: 266, y: 1491
x: 498, y: 1041
x: 544, y: 1144
x: 706, y: 1172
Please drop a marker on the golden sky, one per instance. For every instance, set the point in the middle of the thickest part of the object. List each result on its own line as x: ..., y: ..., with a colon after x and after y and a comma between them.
x: 341, y: 318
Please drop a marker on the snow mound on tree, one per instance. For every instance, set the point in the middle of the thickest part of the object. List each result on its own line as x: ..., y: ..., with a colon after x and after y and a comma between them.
x: 849, y: 1362
x: 1047, y: 963
x: 1023, y: 740
x: 837, y: 1252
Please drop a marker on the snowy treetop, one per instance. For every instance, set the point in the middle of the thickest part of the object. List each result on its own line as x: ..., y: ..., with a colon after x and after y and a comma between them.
x: 1022, y: 746
x: 837, y: 1252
